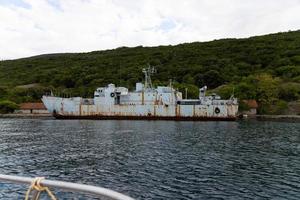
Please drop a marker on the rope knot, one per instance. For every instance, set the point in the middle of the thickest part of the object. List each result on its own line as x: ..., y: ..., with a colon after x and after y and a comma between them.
x: 36, y: 185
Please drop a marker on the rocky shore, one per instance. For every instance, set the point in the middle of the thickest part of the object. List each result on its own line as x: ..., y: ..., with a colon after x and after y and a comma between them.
x: 15, y: 115
x: 278, y: 116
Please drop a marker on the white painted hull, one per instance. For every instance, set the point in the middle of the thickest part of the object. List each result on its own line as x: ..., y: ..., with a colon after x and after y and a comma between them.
x: 75, y: 108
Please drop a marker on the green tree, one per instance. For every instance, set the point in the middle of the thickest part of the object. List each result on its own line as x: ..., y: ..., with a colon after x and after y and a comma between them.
x: 289, y: 91
x: 192, y: 90
x: 212, y: 79
x: 246, y: 90
x: 225, y: 91
x: 267, y: 91
x: 7, y: 106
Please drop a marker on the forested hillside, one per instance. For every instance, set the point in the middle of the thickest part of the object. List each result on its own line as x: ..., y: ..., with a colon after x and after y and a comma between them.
x: 265, y: 68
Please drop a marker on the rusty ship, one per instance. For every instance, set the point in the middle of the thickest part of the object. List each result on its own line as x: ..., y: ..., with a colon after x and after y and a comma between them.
x: 146, y: 102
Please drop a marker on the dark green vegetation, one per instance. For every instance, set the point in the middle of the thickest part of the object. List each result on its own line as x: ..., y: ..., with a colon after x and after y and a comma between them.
x: 7, y: 106
x: 265, y: 68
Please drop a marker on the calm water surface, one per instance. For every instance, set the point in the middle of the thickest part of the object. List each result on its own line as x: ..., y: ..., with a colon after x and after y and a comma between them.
x: 156, y: 159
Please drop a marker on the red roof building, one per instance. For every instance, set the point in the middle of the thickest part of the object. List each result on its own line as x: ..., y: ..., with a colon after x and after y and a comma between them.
x: 252, y: 104
x: 32, y: 108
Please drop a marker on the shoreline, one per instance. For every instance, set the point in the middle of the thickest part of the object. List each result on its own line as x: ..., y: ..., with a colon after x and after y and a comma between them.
x: 27, y: 116
x: 277, y: 117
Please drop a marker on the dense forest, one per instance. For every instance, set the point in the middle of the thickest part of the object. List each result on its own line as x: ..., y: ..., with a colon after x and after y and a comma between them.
x: 265, y: 68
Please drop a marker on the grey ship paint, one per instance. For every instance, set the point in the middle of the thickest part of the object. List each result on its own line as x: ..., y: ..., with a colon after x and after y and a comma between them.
x: 146, y: 102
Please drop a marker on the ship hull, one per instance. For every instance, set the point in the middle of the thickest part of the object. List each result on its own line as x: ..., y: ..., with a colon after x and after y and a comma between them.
x: 73, y: 108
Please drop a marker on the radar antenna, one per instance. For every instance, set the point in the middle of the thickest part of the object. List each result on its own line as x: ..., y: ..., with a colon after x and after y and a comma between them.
x: 148, y: 72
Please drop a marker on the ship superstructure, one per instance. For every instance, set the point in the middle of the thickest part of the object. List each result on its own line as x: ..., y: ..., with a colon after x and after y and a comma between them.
x: 146, y: 102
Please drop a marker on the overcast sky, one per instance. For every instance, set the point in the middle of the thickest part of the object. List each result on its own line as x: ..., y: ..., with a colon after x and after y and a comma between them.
x: 32, y: 27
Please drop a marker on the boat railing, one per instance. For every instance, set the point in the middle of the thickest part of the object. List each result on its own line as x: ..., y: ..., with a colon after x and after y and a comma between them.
x: 67, y: 186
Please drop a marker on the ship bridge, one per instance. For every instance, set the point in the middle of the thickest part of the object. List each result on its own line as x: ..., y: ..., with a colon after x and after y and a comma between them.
x: 112, y: 95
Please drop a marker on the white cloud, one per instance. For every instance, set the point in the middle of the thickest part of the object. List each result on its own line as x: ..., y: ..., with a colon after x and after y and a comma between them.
x: 32, y: 27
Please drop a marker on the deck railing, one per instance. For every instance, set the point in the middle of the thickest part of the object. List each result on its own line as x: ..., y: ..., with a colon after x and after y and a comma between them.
x: 67, y: 186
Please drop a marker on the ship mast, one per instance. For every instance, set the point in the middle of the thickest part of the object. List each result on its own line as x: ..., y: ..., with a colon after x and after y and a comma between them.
x: 148, y: 72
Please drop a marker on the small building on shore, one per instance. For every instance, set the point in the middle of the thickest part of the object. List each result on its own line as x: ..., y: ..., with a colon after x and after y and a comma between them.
x: 32, y: 108
x: 252, y: 104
